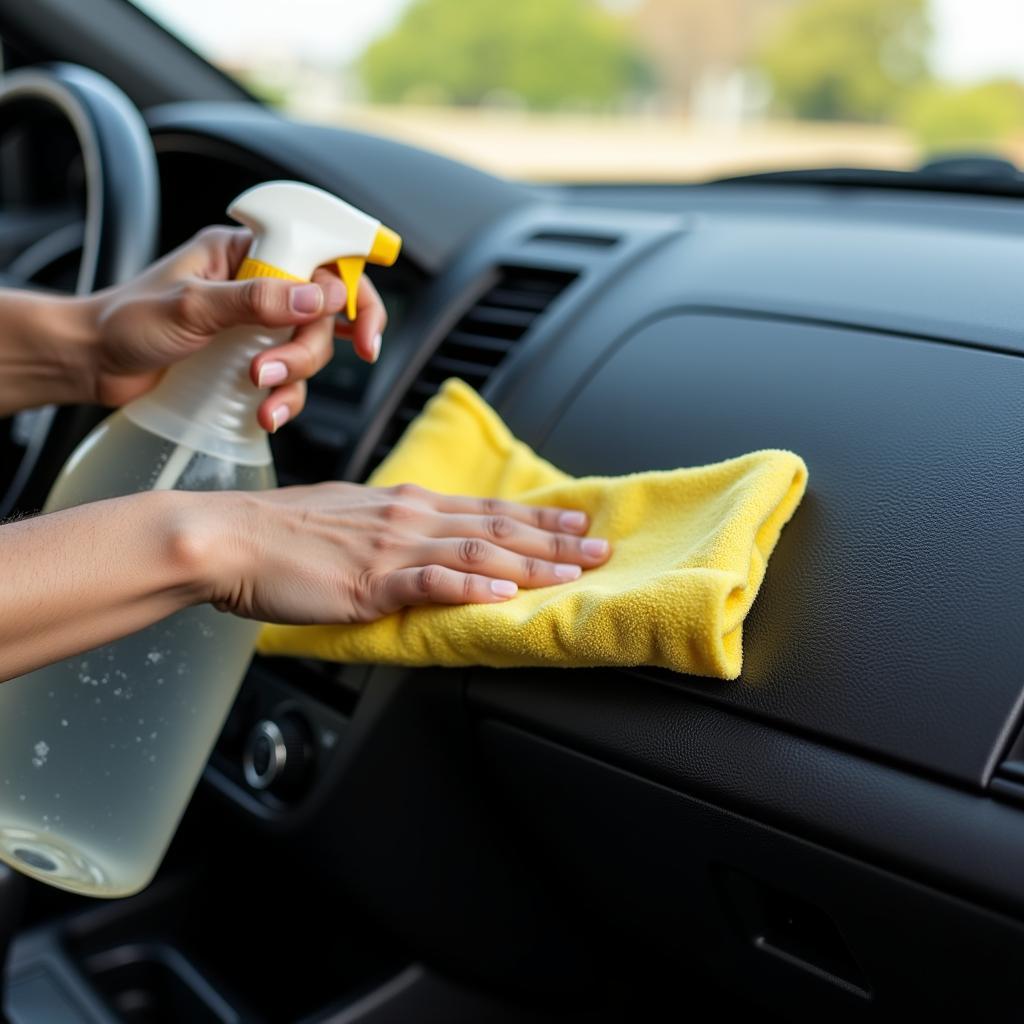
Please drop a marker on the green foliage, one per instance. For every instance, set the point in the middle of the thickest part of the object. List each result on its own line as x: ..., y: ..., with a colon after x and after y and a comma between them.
x: 946, y: 117
x: 852, y: 60
x: 543, y: 54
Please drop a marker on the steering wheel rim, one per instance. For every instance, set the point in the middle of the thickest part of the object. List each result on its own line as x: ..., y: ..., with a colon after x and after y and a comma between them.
x: 119, y: 238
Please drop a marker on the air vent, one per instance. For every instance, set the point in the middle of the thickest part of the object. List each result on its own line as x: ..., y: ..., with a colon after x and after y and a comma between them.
x: 575, y: 238
x: 479, y: 342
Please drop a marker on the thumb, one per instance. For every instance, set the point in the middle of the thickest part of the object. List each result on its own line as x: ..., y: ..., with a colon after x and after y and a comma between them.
x: 204, y: 307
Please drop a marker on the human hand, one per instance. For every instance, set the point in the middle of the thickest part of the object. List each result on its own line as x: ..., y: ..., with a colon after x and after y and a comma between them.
x: 343, y: 553
x: 184, y: 300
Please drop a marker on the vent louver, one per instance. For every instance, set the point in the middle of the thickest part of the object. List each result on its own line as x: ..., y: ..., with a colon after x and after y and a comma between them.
x: 479, y: 342
x: 575, y: 238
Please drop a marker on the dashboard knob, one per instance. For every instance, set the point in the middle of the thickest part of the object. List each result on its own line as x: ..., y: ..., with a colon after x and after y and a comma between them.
x: 277, y: 753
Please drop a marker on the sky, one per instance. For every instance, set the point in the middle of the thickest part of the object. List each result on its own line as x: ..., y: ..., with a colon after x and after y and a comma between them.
x: 336, y: 30
x: 974, y: 38
x: 979, y: 38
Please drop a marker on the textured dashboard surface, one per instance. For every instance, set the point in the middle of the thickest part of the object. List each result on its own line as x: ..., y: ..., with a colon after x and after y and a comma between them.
x: 889, y: 616
x: 887, y: 619
x: 955, y: 839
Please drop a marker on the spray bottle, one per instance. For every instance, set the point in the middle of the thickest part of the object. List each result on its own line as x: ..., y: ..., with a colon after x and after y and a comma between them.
x: 99, y: 754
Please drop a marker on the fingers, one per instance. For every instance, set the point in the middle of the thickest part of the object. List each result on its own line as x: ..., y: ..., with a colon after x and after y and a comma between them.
x: 218, y: 251
x: 524, y: 539
x: 458, y: 558
x: 209, y: 300
x: 312, y: 345
x: 541, y: 517
x: 481, y: 557
x: 371, y: 319
x: 214, y: 254
x: 309, y: 351
x: 282, y: 405
x: 438, y: 584
x: 205, y: 307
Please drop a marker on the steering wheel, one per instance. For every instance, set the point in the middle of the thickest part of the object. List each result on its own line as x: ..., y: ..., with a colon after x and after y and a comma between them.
x: 101, y: 207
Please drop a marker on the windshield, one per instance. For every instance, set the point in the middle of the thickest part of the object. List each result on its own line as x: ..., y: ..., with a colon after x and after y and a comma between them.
x: 636, y: 90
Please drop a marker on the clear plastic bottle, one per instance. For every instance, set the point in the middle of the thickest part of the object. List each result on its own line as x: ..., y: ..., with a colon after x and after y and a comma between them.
x: 99, y: 754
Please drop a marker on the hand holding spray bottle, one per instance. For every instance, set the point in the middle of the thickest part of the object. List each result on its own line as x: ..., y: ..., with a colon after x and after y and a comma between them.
x: 100, y: 753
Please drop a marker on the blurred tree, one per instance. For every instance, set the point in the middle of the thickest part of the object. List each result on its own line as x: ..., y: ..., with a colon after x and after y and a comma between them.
x: 853, y: 60
x: 692, y: 41
x: 948, y: 117
x: 543, y: 54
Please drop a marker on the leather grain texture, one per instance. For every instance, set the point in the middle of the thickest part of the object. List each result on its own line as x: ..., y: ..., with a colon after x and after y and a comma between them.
x: 889, y: 616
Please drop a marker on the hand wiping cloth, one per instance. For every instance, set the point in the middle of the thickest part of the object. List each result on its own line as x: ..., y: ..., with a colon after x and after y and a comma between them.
x: 689, y: 552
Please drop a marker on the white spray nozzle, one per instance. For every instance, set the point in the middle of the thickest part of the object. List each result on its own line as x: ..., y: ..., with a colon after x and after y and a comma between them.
x: 297, y: 227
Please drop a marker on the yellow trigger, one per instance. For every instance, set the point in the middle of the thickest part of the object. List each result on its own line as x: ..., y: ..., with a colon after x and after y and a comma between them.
x: 351, y: 269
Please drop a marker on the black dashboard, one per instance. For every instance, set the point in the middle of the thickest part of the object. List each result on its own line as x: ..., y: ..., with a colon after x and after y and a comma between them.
x: 843, y: 825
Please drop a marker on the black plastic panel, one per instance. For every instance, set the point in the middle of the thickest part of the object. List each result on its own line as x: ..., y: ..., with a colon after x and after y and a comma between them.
x: 889, y: 618
x: 956, y: 840
x: 672, y: 876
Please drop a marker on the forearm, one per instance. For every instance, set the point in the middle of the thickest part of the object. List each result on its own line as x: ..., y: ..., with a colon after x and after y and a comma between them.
x: 45, y: 344
x: 76, y: 579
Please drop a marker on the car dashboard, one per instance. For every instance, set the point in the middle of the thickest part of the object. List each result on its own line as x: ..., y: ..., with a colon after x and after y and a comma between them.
x: 841, y: 827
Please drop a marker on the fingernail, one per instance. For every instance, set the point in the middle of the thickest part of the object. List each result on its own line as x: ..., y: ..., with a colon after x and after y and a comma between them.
x: 504, y: 588
x: 568, y: 572
x: 572, y: 520
x: 375, y: 348
x: 306, y: 298
x: 279, y: 417
x: 272, y: 373
x: 594, y: 547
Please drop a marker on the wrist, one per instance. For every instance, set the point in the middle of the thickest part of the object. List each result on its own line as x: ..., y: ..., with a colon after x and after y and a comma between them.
x: 70, y: 344
x: 207, y: 542
x: 83, y: 337
x: 47, y: 350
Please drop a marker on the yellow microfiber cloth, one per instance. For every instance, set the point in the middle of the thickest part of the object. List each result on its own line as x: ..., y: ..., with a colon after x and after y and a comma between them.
x: 689, y: 551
